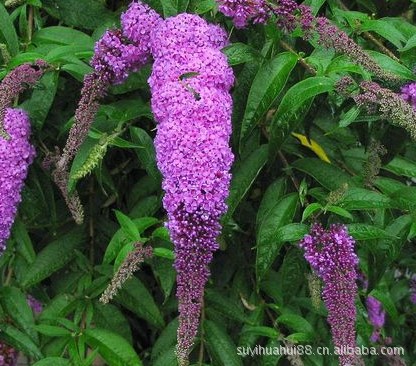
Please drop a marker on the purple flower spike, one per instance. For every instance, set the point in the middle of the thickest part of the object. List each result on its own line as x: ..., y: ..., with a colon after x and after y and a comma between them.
x: 332, y: 257
x: 16, y: 155
x: 191, y: 102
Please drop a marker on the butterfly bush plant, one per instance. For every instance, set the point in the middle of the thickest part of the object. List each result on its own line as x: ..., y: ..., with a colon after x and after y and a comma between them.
x: 201, y: 182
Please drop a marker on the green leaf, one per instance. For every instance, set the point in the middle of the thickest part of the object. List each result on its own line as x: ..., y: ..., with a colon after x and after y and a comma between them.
x: 52, y: 330
x: 367, y: 232
x: 225, y: 305
x: 164, y: 253
x: 291, y: 109
x: 405, y: 198
x: 114, y: 349
x: 122, y: 255
x: 136, y: 297
x: 15, y: 305
x: 411, y: 43
x: 273, y: 193
x: 244, y: 176
x: 174, y: 7
x: 166, y: 340
x: 7, y: 32
x: 53, y: 361
x: 128, y: 226
x: 82, y: 14
x: 147, y: 154
x: 310, y: 209
x: 328, y: 175
x: 261, y: 331
x: 109, y: 317
x: 401, y: 167
x: 24, y: 245
x: 119, y: 239
x: 63, y: 36
x: 364, y: 199
x: 296, y: 323
x: 388, y: 64
x: 339, y: 211
x: 240, y: 53
x: 384, y: 28
x: 267, y: 85
x: 42, y: 98
x: 19, y: 340
x: 220, y: 345
x: 53, y: 257
x: 269, y: 236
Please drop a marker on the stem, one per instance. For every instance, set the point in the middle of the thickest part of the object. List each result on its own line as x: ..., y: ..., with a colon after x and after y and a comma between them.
x: 302, y: 61
x: 30, y: 24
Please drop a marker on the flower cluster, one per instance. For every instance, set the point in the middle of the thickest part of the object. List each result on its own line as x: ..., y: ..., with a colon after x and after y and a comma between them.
x: 376, y: 316
x: 16, y: 155
x: 137, y: 23
x: 16, y: 82
x: 332, y: 257
x: 191, y: 102
x: 408, y: 92
x: 290, y: 16
x: 116, y: 55
x: 114, y: 59
x: 243, y: 11
x: 391, y: 105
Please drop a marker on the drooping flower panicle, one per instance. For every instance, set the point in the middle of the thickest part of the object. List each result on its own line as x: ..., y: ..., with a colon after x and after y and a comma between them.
x: 331, y: 255
x: 16, y: 155
x: 191, y: 102
x: 116, y: 54
x: 16, y: 82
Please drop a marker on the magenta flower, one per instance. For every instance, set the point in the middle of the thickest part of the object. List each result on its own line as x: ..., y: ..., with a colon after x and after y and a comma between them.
x: 244, y: 11
x: 191, y: 102
x: 16, y: 155
x: 408, y: 92
x: 137, y: 23
x: 331, y: 255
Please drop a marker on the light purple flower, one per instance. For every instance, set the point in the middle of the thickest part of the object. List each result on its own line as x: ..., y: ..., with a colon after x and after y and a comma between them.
x: 8, y: 355
x: 191, y: 102
x: 332, y: 257
x: 35, y: 304
x: 16, y: 155
x: 376, y: 314
x: 137, y: 23
x: 244, y: 11
x: 408, y: 92
x: 114, y: 59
